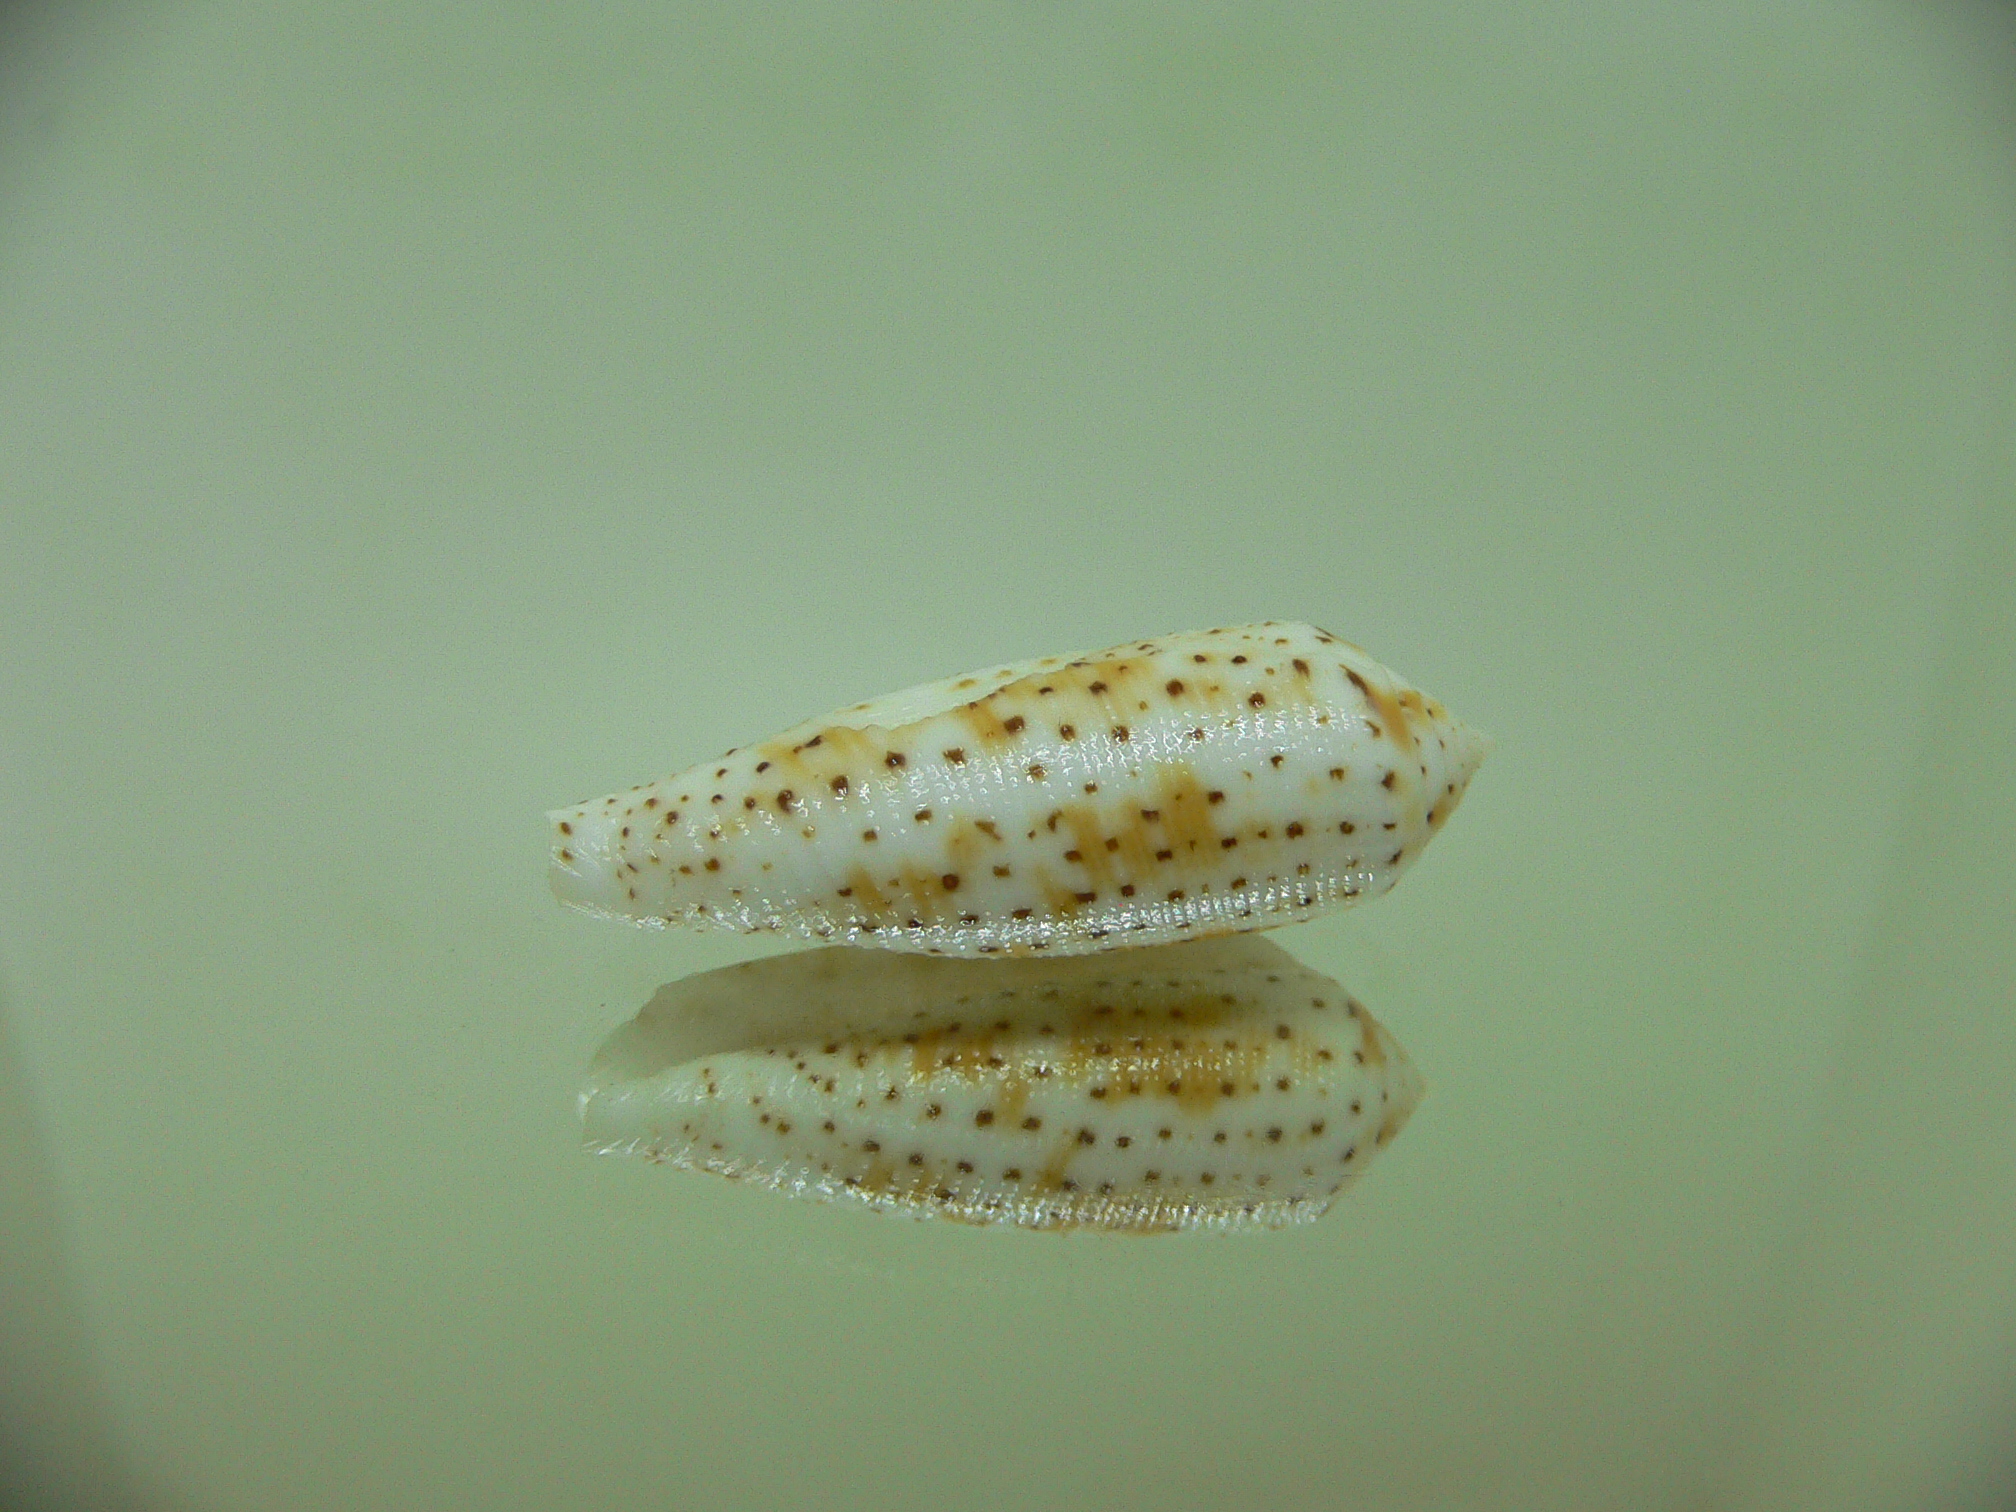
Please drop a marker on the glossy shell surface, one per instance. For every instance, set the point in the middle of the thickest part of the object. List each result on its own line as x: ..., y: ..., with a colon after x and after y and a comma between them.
x: 1168, y: 789
x: 1213, y: 1085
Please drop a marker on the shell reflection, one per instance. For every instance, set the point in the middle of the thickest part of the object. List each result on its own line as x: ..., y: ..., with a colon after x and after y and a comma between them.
x: 1212, y: 1085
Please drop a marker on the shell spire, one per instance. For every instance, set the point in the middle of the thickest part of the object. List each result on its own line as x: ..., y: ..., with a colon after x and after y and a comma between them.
x: 1169, y: 789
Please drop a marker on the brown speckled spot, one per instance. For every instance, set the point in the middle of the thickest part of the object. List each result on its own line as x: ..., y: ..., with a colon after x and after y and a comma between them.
x: 1389, y: 709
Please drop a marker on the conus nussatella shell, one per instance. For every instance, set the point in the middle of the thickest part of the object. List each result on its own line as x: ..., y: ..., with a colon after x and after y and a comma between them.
x: 1164, y: 790
x: 1211, y: 1085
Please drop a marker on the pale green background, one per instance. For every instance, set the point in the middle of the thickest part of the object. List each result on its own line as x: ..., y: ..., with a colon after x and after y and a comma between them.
x: 416, y: 415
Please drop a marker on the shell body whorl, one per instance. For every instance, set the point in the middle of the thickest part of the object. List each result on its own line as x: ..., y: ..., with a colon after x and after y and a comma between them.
x: 1164, y: 790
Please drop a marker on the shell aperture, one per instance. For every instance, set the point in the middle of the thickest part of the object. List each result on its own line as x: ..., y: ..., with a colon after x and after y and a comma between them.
x: 1169, y: 789
x: 1217, y: 1084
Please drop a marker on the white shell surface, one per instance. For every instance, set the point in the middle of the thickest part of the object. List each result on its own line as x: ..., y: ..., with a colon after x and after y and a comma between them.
x: 1164, y: 790
x: 1213, y: 1085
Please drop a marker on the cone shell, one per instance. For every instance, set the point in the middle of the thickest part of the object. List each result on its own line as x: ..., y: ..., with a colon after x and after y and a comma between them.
x: 1213, y: 1085
x: 1169, y: 789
